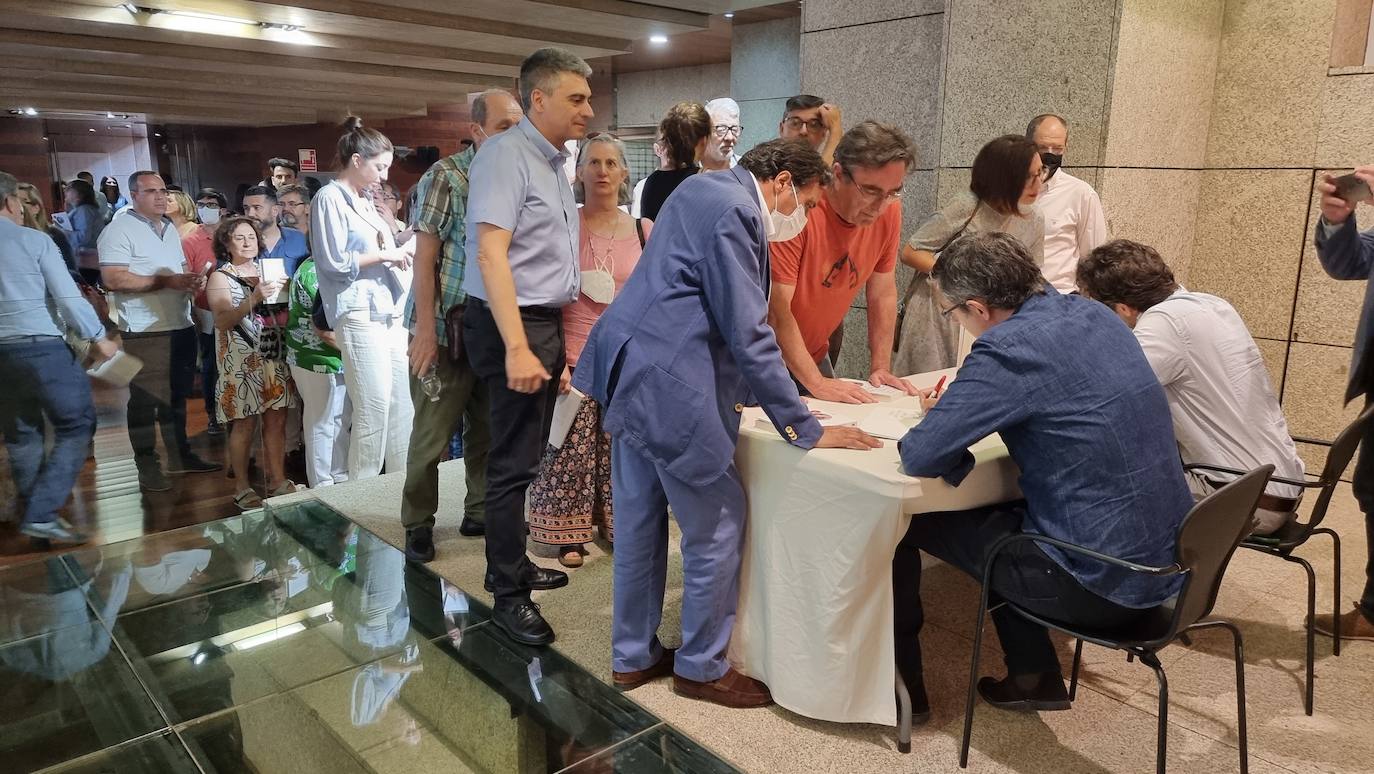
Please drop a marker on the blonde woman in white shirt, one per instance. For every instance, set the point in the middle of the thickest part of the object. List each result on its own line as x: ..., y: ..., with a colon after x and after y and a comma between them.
x: 363, y: 281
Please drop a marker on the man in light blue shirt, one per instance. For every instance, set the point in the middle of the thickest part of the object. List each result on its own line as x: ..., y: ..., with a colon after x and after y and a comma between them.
x: 522, y: 233
x: 38, y: 301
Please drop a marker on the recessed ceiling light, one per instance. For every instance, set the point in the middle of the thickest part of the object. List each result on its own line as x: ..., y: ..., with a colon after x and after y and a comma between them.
x: 28, y: 111
x: 658, y: 40
x: 729, y: 16
x: 90, y: 130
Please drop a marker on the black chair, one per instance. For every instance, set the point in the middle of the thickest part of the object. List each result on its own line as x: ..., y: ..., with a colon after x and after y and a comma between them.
x: 1295, y: 533
x: 1207, y: 538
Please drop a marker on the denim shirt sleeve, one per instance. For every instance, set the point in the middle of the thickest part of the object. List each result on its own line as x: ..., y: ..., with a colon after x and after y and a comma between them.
x: 987, y: 396
x: 329, y: 232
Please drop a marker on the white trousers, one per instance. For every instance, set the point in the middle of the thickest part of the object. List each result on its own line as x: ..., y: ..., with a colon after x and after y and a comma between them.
x: 376, y: 372
x: 324, y: 413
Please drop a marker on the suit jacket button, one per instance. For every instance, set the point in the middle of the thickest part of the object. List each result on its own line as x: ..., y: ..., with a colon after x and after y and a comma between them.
x: 739, y: 408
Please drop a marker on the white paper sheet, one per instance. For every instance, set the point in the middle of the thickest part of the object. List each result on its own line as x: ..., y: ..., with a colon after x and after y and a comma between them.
x: 564, y: 412
x: 118, y: 370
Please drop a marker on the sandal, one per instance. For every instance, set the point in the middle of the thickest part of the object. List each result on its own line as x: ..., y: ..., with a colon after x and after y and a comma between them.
x: 571, y: 557
x: 247, y: 500
x: 287, y: 487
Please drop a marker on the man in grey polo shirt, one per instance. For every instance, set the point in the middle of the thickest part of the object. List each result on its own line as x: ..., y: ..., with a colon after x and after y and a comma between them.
x: 522, y: 232
x: 142, y: 264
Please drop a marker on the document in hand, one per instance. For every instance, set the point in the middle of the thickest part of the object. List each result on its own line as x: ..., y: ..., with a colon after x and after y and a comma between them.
x: 118, y: 370
x: 564, y: 412
x: 274, y: 269
x: 891, y: 423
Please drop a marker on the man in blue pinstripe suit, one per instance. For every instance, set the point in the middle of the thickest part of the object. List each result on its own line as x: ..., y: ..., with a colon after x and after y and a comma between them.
x: 674, y: 360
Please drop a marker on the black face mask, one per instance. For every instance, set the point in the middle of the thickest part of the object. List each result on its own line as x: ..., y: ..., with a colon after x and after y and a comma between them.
x: 1052, y: 160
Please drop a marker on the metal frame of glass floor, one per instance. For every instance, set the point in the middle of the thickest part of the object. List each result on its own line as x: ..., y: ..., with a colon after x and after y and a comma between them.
x: 292, y: 640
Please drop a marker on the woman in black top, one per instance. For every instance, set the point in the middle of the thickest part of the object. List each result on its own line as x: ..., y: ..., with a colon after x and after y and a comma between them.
x: 684, y: 129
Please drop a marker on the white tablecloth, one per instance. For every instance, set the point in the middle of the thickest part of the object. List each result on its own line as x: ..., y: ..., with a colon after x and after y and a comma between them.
x: 815, y: 612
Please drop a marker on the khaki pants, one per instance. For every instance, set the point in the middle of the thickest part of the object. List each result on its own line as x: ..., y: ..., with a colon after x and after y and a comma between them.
x: 464, y: 396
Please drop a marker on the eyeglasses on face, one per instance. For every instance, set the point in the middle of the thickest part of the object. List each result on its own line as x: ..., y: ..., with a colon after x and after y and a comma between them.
x: 869, y: 192
x: 945, y: 313
x: 795, y: 124
x: 724, y: 130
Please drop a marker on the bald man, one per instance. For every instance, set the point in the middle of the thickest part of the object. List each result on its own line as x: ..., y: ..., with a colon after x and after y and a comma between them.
x: 1074, y: 222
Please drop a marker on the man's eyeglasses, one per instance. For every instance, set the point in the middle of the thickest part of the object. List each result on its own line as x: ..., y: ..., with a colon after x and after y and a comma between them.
x: 724, y: 130
x: 945, y: 313
x: 872, y: 193
x: 795, y: 124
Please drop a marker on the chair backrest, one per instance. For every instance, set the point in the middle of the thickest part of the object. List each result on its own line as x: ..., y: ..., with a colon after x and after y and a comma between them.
x: 1337, y: 460
x: 1207, y: 539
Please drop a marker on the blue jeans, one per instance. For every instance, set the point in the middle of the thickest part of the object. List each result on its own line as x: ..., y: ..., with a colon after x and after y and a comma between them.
x: 44, y: 379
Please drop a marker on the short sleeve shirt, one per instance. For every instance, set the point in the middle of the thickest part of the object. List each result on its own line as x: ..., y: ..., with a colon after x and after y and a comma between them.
x: 517, y: 184
x: 132, y: 241
x: 829, y: 262
x: 442, y: 208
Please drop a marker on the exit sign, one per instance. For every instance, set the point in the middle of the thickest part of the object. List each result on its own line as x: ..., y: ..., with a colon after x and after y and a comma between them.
x: 308, y: 159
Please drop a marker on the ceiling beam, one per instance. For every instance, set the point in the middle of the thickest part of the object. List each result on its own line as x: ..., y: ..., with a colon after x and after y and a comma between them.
x: 635, y: 10
x: 235, y: 57
x: 155, y: 107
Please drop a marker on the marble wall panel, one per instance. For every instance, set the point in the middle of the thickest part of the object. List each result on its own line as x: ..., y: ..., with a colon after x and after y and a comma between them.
x: 1163, y: 80
x: 1314, y: 391
x: 643, y: 97
x: 825, y: 14
x: 1010, y: 60
x: 1155, y: 206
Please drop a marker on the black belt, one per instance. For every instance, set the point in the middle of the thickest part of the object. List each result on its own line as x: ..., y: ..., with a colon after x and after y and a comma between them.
x: 1266, y: 501
x: 552, y: 312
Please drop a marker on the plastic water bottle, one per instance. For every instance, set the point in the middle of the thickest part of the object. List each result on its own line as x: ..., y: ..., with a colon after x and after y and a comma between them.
x: 430, y: 384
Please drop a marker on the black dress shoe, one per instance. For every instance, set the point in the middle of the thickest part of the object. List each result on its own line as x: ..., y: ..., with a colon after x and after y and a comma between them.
x: 522, y: 622
x: 1026, y: 693
x: 470, y: 528
x: 534, y: 576
x: 420, y: 544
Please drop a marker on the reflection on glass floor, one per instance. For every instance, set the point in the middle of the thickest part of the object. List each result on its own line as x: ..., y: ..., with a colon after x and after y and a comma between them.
x: 292, y: 641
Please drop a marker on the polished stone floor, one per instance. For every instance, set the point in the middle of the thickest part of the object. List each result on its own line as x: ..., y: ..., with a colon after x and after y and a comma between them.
x: 292, y: 640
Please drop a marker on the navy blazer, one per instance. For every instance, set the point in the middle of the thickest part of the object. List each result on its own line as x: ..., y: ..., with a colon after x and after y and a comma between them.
x: 686, y: 344
x: 1349, y: 255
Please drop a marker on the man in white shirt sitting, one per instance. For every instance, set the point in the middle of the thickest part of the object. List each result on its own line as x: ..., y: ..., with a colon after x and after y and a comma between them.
x: 1224, y: 408
x: 1074, y: 222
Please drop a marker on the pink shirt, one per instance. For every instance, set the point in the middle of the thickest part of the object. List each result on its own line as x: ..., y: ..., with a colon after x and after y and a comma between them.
x: 582, y: 314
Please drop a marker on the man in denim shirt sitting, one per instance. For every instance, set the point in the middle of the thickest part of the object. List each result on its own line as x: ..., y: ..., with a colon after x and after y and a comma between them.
x: 1070, y: 391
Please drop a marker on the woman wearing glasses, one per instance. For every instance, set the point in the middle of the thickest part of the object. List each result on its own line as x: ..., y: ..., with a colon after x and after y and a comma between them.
x: 685, y: 130
x: 1007, y: 179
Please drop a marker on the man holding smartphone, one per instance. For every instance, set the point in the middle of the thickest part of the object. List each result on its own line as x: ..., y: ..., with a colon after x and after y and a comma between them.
x: 1346, y: 254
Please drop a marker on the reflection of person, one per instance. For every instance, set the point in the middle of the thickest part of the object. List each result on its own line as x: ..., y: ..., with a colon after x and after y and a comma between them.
x: 1084, y: 418
x: 672, y: 362
x: 1003, y: 188
x: 72, y: 639
x: 1224, y: 408
x: 1347, y: 254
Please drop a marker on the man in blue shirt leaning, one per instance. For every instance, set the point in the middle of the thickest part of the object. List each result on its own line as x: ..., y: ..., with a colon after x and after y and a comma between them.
x: 1067, y: 386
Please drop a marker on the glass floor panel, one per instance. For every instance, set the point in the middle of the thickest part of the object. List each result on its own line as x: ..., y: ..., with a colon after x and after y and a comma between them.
x: 291, y: 640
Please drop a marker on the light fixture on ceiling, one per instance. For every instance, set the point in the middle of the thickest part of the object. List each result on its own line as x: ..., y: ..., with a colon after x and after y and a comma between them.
x: 729, y: 15
x: 658, y: 40
x: 90, y: 130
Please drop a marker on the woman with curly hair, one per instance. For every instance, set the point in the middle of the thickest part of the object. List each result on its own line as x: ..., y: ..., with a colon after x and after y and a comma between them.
x: 254, y: 380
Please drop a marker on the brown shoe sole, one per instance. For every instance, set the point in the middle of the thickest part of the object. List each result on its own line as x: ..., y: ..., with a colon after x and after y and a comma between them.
x: 1326, y: 631
x: 708, y: 692
x: 628, y: 681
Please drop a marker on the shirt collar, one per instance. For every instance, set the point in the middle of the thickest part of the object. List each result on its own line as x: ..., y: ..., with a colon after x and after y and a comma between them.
x: 547, y: 149
x: 164, y: 221
x: 763, y: 208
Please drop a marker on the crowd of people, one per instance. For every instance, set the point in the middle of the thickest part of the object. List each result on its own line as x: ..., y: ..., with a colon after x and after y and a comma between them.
x: 594, y: 343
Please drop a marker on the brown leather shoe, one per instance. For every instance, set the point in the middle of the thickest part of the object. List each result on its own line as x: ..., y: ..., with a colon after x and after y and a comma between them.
x: 1353, y: 625
x: 732, y: 690
x: 628, y: 681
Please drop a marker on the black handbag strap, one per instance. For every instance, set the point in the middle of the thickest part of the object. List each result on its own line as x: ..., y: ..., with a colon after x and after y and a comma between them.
x: 639, y: 229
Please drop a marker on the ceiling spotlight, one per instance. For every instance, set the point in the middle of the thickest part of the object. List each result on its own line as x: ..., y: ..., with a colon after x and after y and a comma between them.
x: 28, y: 111
x: 658, y: 40
x: 157, y: 134
x: 729, y: 15
x: 90, y: 130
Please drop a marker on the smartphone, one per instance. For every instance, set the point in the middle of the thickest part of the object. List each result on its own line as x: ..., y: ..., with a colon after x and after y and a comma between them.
x: 1353, y: 189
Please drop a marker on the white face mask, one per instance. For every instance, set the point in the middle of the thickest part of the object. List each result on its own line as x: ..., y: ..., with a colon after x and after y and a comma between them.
x: 786, y: 227
x: 208, y: 215
x: 599, y: 286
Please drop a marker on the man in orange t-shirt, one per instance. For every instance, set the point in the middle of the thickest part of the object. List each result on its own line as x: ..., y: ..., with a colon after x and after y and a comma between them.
x: 850, y: 242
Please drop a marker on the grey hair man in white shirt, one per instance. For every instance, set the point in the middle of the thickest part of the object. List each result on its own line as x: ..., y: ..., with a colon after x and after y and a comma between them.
x: 1224, y: 408
x: 1072, y: 210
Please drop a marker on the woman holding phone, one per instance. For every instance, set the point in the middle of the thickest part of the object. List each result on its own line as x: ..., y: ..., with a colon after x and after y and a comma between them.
x: 254, y: 380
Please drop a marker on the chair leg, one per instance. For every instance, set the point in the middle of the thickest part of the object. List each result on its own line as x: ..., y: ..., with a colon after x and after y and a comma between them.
x: 1162, y: 742
x: 1311, y: 631
x: 973, y: 682
x: 903, y: 716
x: 1073, y: 676
x: 1336, y: 586
x: 1240, y: 686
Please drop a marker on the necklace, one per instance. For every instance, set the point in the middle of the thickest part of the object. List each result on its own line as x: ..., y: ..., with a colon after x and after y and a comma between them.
x: 606, y: 261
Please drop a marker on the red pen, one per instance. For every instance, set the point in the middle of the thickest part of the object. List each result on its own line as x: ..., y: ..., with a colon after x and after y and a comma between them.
x: 940, y: 385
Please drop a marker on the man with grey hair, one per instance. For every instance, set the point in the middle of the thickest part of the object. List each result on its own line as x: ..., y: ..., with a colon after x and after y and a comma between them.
x: 726, y: 129
x: 440, y: 223
x: 850, y: 242
x: 1074, y: 222
x: 44, y: 381
x: 1067, y: 387
x: 522, y: 232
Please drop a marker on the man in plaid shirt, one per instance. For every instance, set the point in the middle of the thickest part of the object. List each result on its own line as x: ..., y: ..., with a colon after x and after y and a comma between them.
x: 440, y: 261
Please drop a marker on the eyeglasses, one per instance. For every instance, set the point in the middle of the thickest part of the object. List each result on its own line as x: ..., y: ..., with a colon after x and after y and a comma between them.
x: 870, y: 192
x: 723, y: 130
x: 795, y: 124
x: 945, y: 313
